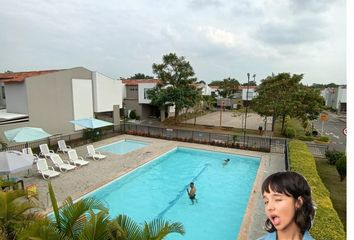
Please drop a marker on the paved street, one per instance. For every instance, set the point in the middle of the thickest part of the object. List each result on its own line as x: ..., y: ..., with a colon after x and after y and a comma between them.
x: 333, y: 128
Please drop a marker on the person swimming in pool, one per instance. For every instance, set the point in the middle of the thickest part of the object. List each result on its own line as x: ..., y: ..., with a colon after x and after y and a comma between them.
x: 192, y: 192
x: 226, y: 161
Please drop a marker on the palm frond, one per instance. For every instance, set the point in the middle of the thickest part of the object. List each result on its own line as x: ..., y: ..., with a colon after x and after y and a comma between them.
x: 158, y: 229
x: 124, y: 228
x: 96, y: 228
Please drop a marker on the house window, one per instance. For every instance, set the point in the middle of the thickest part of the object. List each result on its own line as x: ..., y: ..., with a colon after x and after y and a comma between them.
x: 145, y: 93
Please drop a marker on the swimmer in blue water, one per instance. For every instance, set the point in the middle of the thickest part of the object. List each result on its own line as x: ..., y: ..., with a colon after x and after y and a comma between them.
x: 192, y: 192
x: 226, y: 161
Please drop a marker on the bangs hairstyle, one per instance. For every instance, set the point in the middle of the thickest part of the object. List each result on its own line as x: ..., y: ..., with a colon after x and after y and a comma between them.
x: 292, y: 185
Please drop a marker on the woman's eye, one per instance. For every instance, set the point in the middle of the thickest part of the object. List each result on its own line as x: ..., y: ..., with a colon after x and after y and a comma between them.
x: 266, y: 202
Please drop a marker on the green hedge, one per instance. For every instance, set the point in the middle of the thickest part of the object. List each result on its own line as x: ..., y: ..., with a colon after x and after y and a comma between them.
x: 327, y: 224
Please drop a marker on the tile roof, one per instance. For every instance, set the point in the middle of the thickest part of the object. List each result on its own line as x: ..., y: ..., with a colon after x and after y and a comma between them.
x: 21, y: 76
x: 131, y: 82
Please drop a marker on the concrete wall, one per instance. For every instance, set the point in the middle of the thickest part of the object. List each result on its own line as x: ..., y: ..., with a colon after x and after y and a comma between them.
x: 82, y: 100
x: 132, y: 104
x: 107, y: 92
x: 132, y: 92
x: 50, y: 99
x: 16, y: 98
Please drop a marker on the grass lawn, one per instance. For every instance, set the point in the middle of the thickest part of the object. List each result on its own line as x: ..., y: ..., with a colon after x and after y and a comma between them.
x: 337, y: 189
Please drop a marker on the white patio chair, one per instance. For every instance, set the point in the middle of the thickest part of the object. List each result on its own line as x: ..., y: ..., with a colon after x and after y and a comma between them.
x: 62, y: 147
x: 45, y: 152
x: 76, y: 160
x: 92, y: 153
x: 47, y: 172
x: 59, y: 163
x: 29, y: 151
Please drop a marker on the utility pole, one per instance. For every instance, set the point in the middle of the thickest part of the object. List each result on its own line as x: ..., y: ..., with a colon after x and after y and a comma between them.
x: 221, y: 107
x: 248, y: 85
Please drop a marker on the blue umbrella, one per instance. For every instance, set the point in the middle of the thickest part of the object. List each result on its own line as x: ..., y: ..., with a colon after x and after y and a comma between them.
x: 25, y: 134
x: 91, y: 123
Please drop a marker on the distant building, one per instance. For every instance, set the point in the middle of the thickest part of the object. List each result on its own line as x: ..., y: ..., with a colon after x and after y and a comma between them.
x: 50, y: 99
x: 336, y: 98
x: 135, y: 97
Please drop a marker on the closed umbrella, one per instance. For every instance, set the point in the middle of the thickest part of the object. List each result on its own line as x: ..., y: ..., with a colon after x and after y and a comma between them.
x: 91, y: 123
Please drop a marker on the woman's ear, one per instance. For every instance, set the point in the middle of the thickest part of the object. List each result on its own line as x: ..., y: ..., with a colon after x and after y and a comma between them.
x: 298, y: 202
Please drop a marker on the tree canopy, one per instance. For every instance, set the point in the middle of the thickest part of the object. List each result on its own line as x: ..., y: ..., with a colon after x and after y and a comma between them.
x: 227, y: 87
x: 283, y: 94
x: 140, y: 76
x: 177, y: 84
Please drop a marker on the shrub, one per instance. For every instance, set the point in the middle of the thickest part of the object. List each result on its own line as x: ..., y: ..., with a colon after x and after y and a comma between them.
x: 132, y: 114
x: 323, y: 139
x: 306, y: 138
x: 341, y: 166
x: 93, y: 134
x: 333, y: 156
x: 327, y: 224
x: 290, y: 132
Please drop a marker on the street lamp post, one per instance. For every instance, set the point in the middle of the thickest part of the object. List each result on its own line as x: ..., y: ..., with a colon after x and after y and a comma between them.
x: 248, y: 84
x: 244, y: 131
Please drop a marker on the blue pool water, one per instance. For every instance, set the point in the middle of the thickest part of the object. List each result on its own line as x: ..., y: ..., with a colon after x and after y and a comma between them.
x: 123, y: 146
x: 158, y: 189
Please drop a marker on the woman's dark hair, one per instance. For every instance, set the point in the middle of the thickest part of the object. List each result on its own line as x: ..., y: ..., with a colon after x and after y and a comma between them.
x: 293, y: 185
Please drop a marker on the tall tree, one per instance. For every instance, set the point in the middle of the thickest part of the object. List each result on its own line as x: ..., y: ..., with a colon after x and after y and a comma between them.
x: 227, y: 86
x: 140, y: 76
x: 177, y: 84
x: 276, y: 96
x: 283, y: 94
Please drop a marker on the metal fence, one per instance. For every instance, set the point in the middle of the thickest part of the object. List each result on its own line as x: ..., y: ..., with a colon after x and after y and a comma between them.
x: 317, y: 149
x: 255, y: 143
x: 264, y: 144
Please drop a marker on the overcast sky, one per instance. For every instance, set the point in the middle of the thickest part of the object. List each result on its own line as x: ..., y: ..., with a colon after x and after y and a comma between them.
x: 220, y: 38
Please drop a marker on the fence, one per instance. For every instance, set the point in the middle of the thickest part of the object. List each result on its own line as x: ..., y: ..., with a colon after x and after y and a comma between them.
x: 255, y: 143
x: 318, y: 150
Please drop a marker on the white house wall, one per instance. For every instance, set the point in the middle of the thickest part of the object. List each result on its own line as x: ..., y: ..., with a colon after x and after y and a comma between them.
x: 82, y: 99
x: 251, y: 94
x: 107, y: 92
x: 16, y: 98
x: 143, y: 87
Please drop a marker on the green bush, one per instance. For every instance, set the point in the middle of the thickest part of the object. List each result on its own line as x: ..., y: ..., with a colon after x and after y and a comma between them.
x: 132, y: 114
x: 341, y: 166
x: 306, y: 138
x: 93, y: 134
x: 327, y: 224
x: 290, y: 132
x: 323, y: 138
x: 333, y: 156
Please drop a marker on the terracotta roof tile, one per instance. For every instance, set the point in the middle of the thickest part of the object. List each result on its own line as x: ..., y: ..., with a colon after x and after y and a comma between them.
x: 131, y: 82
x: 21, y: 76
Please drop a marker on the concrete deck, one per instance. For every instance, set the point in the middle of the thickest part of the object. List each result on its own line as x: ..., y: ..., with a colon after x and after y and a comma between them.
x: 85, y: 179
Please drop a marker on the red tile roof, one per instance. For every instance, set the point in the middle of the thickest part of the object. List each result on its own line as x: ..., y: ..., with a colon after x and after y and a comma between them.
x: 132, y: 82
x: 21, y: 76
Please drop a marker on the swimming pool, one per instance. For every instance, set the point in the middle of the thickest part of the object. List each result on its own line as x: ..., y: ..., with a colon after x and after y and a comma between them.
x: 158, y: 189
x: 123, y: 146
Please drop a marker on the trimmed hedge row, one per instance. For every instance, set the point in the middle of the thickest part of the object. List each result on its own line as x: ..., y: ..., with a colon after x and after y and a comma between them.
x: 327, y: 224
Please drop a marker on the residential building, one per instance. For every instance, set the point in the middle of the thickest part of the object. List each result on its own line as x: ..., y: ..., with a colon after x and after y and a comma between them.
x: 336, y: 98
x: 136, y: 98
x: 50, y: 99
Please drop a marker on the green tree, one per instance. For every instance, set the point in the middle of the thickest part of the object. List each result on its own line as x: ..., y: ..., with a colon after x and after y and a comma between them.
x: 176, y: 86
x: 283, y: 95
x: 251, y: 83
x: 140, y: 76
x: 227, y: 87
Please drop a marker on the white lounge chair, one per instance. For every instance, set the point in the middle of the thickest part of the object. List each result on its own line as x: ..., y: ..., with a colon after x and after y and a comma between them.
x: 45, y: 152
x: 62, y: 147
x: 92, y: 153
x: 76, y: 160
x: 47, y: 172
x: 59, y: 163
x: 29, y: 151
